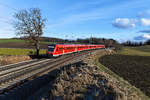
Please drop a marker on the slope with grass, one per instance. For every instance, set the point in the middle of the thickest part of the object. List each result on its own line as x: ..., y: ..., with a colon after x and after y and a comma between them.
x: 133, y: 65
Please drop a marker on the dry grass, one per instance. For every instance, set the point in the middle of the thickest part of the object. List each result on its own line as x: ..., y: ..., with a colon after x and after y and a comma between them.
x: 4, y: 60
x: 79, y: 81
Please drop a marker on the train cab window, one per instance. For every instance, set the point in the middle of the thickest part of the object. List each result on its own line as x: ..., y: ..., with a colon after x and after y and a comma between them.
x: 51, y: 48
x: 60, y: 49
x: 57, y: 49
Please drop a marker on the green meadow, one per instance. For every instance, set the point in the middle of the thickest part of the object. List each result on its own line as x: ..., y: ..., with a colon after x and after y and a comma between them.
x: 136, y: 51
x: 8, y: 51
x: 10, y: 40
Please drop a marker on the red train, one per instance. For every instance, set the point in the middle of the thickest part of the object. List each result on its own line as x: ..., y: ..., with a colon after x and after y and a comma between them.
x: 61, y: 49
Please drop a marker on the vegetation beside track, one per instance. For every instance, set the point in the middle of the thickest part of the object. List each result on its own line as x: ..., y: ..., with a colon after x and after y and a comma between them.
x: 10, y: 51
x: 132, y: 64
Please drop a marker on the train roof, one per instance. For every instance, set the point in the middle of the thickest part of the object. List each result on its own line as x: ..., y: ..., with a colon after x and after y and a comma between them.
x: 74, y: 45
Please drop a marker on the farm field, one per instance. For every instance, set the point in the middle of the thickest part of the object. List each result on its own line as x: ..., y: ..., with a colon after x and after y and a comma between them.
x: 143, y: 48
x: 12, y: 51
x: 132, y: 64
x: 136, y: 51
x: 10, y: 40
x: 19, y: 40
x: 18, y: 43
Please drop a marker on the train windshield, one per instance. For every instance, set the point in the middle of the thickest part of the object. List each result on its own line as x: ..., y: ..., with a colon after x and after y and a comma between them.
x: 51, y: 48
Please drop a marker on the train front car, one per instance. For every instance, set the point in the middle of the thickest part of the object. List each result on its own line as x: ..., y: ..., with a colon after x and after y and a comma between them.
x: 50, y: 50
x: 61, y: 49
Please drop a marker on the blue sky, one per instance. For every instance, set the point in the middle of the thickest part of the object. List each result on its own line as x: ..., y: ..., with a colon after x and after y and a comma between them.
x: 118, y: 19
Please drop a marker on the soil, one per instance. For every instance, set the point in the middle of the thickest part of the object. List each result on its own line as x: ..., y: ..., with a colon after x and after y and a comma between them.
x: 134, y: 69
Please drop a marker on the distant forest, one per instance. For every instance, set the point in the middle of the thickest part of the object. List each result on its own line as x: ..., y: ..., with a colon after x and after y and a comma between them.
x: 133, y: 44
x: 93, y: 40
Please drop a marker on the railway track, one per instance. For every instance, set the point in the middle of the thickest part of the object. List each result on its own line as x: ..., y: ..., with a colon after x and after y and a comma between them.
x: 6, y: 67
x: 12, y: 76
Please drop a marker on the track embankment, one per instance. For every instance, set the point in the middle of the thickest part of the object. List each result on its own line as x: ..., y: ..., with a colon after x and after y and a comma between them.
x: 86, y: 81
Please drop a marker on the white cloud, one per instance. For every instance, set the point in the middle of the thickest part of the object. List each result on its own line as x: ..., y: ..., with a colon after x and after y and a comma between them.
x: 124, y: 23
x: 146, y: 36
x: 145, y: 22
x: 142, y: 37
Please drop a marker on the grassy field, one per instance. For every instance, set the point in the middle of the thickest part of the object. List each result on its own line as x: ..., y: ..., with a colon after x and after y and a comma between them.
x: 19, y: 40
x: 16, y: 47
x: 7, y: 51
x: 18, y: 43
x: 138, y: 51
x: 132, y: 64
x: 10, y: 40
x: 143, y: 48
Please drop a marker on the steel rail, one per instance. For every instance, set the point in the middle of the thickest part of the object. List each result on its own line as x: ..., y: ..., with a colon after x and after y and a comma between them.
x: 19, y: 75
x: 6, y: 67
x: 5, y: 72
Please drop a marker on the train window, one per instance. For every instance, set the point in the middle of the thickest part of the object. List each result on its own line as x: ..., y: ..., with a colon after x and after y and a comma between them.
x: 51, y: 48
x: 60, y: 49
x: 68, y: 48
x: 57, y: 49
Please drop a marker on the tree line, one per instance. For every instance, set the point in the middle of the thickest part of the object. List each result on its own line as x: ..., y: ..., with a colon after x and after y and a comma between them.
x: 133, y: 44
x: 93, y: 40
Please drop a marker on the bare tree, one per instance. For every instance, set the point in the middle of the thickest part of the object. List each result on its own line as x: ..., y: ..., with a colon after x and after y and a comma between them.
x: 29, y: 23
